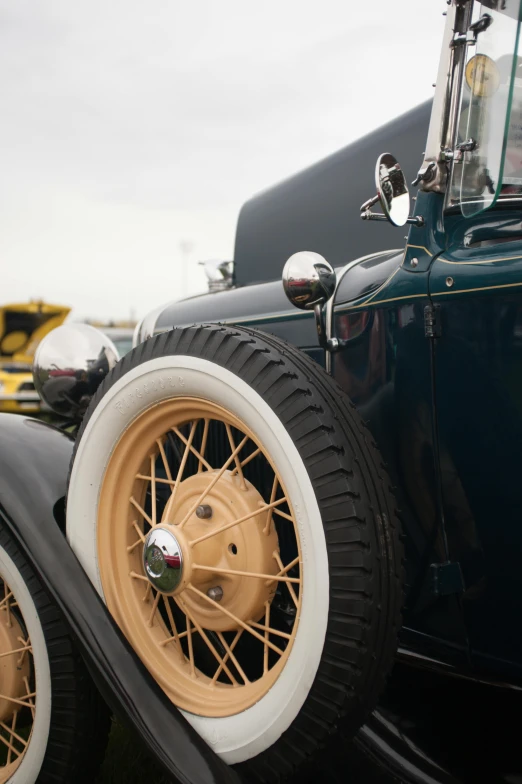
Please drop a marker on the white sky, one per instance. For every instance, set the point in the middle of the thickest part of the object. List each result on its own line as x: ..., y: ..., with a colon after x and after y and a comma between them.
x: 128, y: 127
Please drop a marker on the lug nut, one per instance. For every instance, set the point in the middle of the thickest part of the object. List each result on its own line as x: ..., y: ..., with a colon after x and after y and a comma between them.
x: 215, y: 593
x: 204, y: 511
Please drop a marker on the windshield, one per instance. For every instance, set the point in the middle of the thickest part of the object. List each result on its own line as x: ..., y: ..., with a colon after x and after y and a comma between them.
x: 490, y: 128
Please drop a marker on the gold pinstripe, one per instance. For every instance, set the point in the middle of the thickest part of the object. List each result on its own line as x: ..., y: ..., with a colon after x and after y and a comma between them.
x: 419, y: 247
x: 481, y: 288
x: 486, y: 261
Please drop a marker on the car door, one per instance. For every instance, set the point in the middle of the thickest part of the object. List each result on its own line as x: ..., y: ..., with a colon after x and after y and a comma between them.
x: 476, y: 284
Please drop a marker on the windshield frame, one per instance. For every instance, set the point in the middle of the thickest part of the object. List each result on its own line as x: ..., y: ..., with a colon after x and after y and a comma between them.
x: 444, y: 122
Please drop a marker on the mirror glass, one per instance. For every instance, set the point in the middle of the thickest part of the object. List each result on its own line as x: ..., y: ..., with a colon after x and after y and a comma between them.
x: 392, y: 189
x: 308, y: 280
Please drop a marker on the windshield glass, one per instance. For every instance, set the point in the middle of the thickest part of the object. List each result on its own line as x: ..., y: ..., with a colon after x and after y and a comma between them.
x: 491, y: 113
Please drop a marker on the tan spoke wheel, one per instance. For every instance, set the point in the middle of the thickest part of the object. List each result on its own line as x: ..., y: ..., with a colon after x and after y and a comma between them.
x: 17, y: 690
x: 199, y: 555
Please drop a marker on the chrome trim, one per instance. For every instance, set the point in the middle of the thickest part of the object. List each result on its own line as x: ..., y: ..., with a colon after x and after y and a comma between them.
x: 331, y: 302
x: 163, y: 560
x: 463, y: 22
x: 446, y: 102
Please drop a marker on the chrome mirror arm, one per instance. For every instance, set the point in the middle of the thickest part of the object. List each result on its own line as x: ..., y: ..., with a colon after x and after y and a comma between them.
x: 416, y: 220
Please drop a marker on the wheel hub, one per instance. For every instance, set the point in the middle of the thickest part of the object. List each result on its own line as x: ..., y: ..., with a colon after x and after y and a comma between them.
x: 197, y: 560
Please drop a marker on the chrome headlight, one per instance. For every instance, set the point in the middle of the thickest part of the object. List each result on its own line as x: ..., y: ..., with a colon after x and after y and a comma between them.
x: 69, y: 365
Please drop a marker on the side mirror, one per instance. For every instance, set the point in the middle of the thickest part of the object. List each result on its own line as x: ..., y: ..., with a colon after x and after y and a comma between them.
x: 69, y: 365
x: 392, y: 193
x: 309, y: 282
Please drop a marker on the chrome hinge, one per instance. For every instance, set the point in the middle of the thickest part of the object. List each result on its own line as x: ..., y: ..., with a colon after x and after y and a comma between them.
x: 446, y: 578
x: 432, y: 325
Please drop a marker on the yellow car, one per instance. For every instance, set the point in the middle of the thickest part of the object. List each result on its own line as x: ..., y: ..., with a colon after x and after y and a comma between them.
x: 22, y: 326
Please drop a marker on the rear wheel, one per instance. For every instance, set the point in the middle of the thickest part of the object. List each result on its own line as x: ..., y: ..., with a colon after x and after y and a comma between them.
x: 234, y: 514
x: 53, y: 725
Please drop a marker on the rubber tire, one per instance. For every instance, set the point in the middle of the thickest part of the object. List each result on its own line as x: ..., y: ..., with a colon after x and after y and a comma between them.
x: 360, y: 521
x: 77, y: 721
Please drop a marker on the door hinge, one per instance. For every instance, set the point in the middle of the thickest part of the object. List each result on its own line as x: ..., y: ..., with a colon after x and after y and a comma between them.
x: 432, y: 325
x: 446, y: 578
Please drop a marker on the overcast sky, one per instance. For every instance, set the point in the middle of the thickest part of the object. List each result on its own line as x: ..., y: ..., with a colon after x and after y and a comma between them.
x: 130, y: 128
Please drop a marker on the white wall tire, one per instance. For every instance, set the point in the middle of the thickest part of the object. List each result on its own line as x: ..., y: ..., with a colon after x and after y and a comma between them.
x: 68, y: 731
x: 169, y: 367
x: 32, y: 760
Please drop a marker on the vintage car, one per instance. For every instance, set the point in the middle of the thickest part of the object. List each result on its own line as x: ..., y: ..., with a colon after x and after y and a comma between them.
x: 286, y: 541
x: 22, y: 326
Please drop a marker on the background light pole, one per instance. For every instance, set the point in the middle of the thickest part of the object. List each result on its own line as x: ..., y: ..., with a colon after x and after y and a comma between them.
x: 186, y: 247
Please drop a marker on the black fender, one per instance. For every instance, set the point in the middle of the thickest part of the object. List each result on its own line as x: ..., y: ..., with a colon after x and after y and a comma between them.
x: 34, y: 463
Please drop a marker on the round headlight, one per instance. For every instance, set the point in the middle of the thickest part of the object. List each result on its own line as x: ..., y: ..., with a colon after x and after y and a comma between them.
x: 69, y: 365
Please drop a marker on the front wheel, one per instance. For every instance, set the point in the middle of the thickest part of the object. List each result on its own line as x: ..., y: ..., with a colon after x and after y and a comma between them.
x: 53, y: 725
x: 233, y: 512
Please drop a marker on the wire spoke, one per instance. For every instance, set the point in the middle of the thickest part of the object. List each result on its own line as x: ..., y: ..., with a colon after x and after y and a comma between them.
x: 267, y: 640
x: 241, y: 573
x: 159, y: 480
x: 216, y: 478
x: 154, y: 608
x: 137, y: 576
x: 29, y: 695
x: 230, y: 653
x: 28, y: 704
x: 209, y: 644
x: 141, y: 539
x: 237, y: 461
x: 10, y: 747
x: 237, y: 620
x: 275, y: 485
x: 285, y: 515
x: 203, y: 445
x: 190, y: 647
x: 270, y: 630
x: 141, y: 510
x: 172, y: 624
x: 12, y: 728
x: 217, y: 531
x: 225, y: 659
x: 12, y: 733
x: 153, y: 488
x: 180, y: 636
x: 6, y: 598
x: 132, y: 547
x: 247, y: 460
x: 27, y: 647
x: 192, y: 448
x: 15, y: 650
x: 164, y: 459
x: 188, y: 444
x: 284, y: 569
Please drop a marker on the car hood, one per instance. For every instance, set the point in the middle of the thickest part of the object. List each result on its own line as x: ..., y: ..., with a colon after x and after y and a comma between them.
x: 22, y: 326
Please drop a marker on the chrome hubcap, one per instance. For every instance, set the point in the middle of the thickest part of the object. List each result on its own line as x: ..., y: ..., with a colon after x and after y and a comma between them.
x: 163, y: 560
